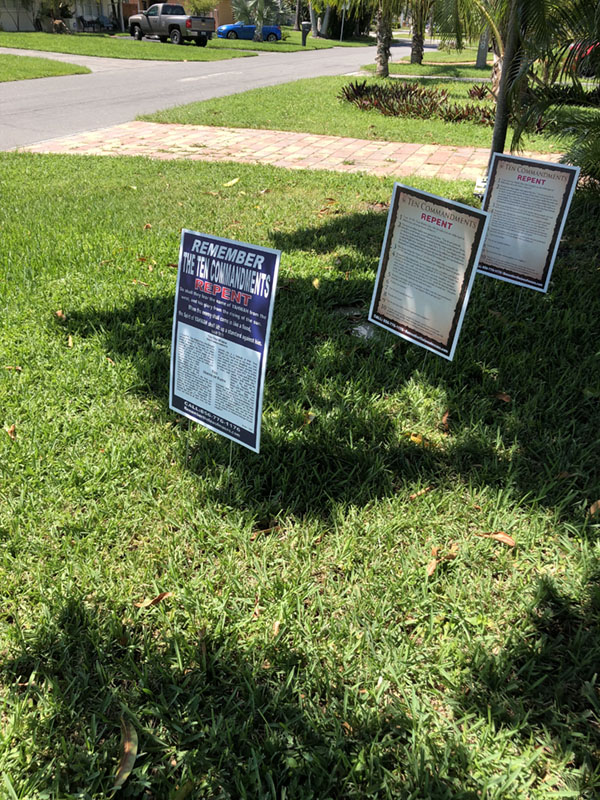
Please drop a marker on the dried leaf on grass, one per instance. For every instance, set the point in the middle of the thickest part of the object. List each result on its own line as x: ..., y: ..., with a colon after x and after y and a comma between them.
x: 129, y: 748
x: 506, y: 398
x: 438, y: 557
x: 140, y: 282
x: 308, y: 418
x: 418, y: 438
x: 257, y: 533
x: 154, y: 601
x: 61, y: 314
x: 431, y: 567
x: 316, y: 283
x: 420, y: 492
x: 184, y: 791
x: 444, y: 424
x: 15, y: 368
x: 147, y: 226
x: 594, y: 508
x: 498, y: 315
x: 70, y: 341
x: 12, y: 431
x: 231, y: 182
x: 276, y: 626
x: 499, y: 536
x: 257, y: 608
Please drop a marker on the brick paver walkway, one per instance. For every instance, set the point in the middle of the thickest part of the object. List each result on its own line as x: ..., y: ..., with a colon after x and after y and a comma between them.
x: 280, y: 148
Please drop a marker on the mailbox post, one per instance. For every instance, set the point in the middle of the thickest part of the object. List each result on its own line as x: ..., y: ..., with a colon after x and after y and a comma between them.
x: 305, y: 32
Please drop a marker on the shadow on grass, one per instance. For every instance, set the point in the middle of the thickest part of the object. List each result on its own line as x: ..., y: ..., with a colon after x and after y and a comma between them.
x: 545, y: 686
x: 211, y: 720
x: 215, y: 721
x: 520, y: 392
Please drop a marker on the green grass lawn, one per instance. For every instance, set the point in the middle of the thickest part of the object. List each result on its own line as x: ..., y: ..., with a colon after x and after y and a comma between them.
x: 291, y: 43
x: 313, y: 106
x: 19, y: 68
x: 107, y: 46
x: 449, y: 63
x: 435, y: 70
x: 302, y: 651
x: 467, y: 55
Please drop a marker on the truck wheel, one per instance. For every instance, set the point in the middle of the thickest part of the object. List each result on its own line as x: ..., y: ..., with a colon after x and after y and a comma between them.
x: 176, y: 36
x: 232, y: 35
x: 136, y: 32
x: 271, y: 37
x: 201, y: 41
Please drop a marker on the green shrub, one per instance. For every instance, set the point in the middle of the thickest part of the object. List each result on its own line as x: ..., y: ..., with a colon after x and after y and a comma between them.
x: 480, y: 91
x: 412, y: 100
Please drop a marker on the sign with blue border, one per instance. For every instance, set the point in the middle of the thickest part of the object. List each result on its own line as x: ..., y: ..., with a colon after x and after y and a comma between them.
x: 221, y: 327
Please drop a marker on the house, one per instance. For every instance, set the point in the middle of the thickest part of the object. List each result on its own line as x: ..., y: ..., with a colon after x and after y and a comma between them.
x: 21, y: 15
x: 223, y: 12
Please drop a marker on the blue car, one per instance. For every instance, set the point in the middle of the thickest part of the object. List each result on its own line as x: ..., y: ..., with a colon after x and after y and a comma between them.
x: 237, y: 30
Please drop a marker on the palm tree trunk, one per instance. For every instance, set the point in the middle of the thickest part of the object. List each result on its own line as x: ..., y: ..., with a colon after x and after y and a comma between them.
x: 314, y: 29
x: 298, y: 15
x: 502, y: 102
x: 384, y: 39
x: 326, y: 21
x: 420, y: 11
x: 259, y: 20
x: 482, y: 50
x: 417, y: 48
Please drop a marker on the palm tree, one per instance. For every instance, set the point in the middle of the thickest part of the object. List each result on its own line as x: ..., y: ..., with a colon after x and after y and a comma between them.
x: 383, y: 30
x: 521, y: 29
x: 420, y: 12
x: 255, y: 12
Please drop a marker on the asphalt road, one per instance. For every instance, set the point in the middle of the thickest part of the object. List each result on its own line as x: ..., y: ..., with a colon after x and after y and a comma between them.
x: 118, y: 90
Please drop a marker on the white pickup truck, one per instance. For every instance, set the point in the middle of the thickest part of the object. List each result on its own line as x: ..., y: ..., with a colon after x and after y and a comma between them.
x: 169, y: 21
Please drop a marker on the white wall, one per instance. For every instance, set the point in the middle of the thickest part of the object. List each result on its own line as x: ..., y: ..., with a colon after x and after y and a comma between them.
x: 14, y: 17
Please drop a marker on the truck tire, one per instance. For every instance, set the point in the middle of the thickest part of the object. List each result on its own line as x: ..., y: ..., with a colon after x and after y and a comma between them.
x: 201, y: 41
x: 176, y: 36
x: 136, y: 32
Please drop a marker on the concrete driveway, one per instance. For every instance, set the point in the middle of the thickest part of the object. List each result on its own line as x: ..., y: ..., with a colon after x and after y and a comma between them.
x: 118, y: 90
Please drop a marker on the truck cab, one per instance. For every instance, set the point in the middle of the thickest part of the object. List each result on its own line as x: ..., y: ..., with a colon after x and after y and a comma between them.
x: 169, y: 21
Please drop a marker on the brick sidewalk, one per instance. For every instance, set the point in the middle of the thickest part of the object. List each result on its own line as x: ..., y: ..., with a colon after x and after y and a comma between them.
x: 280, y: 148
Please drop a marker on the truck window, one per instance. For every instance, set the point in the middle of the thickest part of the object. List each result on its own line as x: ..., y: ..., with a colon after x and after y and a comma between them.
x: 153, y: 11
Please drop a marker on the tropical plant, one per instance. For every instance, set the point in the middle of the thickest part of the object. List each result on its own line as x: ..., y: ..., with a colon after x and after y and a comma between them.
x: 570, y: 107
x: 256, y: 12
x: 200, y: 7
x: 411, y: 100
x: 522, y: 32
x: 55, y: 9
